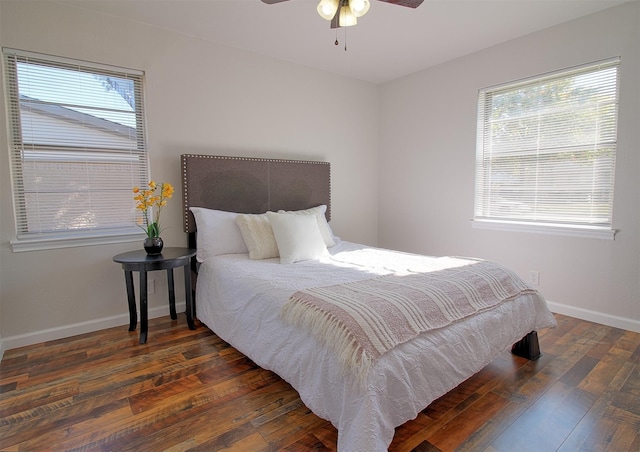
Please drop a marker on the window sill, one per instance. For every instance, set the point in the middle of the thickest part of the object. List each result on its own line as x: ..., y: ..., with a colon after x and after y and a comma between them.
x: 568, y: 231
x: 51, y: 243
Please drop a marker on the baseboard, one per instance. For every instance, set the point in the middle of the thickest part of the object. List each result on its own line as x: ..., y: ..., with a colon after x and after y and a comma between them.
x: 595, y: 316
x: 52, y: 334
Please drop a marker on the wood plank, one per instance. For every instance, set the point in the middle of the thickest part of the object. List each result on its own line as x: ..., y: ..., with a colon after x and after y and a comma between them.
x: 601, y: 375
x: 25, y: 401
x: 556, y: 413
x: 597, y: 426
x: 579, y: 371
x: 410, y: 435
x: 452, y: 434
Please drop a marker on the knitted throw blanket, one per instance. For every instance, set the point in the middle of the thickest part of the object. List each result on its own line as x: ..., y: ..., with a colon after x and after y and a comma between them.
x: 362, y: 320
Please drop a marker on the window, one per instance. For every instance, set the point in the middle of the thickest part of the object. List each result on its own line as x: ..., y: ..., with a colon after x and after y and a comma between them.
x: 546, y: 151
x: 78, y: 145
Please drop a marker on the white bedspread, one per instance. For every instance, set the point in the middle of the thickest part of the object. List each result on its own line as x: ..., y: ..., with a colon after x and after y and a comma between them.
x: 241, y: 299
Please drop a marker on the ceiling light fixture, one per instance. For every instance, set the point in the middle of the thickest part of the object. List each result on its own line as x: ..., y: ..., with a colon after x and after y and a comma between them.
x: 345, y: 13
x: 350, y: 10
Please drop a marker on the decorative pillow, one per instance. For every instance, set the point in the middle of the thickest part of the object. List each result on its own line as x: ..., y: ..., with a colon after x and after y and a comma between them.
x: 217, y: 233
x: 319, y: 212
x: 258, y: 235
x: 298, y: 237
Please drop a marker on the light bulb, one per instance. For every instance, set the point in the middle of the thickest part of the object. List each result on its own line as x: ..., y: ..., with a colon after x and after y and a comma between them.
x: 347, y: 19
x: 327, y: 8
x: 359, y: 7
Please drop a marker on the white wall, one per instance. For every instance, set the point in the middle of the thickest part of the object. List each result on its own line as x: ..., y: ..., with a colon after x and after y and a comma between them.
x: 200, y: 98
x: 427, y: 157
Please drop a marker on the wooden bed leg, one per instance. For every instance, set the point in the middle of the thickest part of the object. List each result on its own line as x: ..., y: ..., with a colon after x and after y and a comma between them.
x: 528, y: 347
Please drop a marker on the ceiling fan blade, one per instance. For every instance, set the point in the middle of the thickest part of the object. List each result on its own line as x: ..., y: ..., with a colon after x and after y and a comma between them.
x: 271, y: 2
x: 407, y: 3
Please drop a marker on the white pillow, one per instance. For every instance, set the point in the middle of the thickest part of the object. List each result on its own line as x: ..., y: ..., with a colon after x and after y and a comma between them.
x: 258, y: 235
x: 319, y: 212
x: 298, y: 237
x: 217, y: 234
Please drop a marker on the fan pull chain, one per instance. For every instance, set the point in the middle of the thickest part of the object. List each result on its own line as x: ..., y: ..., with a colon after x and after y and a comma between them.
x: 345, y: 38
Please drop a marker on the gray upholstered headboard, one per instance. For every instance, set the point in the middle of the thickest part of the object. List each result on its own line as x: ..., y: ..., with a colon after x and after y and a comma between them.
x: 252, y: 185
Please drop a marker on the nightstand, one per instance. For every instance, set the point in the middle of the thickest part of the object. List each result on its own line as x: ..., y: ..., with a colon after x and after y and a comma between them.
x: 140, y: 261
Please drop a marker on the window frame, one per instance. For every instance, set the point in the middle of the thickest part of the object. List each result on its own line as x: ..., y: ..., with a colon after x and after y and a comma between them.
x: 483, y: 217
x: 22, y: 150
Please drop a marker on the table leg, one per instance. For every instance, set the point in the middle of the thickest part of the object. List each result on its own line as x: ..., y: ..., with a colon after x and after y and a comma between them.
x: 131, y: 298
x: 172, y: 294
x: 144, y: 322
x: 188, y: 297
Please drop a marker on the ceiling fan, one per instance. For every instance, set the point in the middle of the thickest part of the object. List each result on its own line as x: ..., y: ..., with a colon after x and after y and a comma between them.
x: 345, y: 13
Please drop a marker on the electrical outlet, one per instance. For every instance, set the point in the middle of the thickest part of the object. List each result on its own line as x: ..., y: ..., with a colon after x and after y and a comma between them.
x: 534, y: 277
x: 151, y: 286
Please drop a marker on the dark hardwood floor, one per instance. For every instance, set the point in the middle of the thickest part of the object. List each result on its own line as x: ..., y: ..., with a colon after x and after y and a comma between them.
x: 189, y: 390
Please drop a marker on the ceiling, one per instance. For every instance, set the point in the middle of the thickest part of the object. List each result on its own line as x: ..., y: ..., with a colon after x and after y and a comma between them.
x: 389, y: 42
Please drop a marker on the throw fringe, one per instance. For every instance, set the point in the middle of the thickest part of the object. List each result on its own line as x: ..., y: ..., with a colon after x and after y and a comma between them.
x: 331, y: 331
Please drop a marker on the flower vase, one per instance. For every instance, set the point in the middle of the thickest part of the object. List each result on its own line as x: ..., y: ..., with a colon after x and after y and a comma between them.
x: 153, y: 245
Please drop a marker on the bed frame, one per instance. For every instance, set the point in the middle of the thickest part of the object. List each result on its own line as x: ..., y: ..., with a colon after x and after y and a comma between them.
x: 256, y: 185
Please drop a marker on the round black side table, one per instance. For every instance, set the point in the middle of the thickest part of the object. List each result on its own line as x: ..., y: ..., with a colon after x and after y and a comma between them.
x: 140, y: 261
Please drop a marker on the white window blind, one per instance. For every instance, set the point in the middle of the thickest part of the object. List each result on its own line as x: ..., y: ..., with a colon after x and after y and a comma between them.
x: 546, y: 149
x: 78, y: 146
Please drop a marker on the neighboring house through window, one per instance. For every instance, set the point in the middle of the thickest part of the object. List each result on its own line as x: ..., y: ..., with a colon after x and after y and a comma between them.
x: 77, y: 146
x: 546, y: 151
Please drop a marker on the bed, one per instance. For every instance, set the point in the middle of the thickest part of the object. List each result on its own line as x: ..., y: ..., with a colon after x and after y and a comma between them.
x: 263, y: 305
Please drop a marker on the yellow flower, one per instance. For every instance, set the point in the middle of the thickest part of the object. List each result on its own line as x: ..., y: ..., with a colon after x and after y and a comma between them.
x: 167, y: 190
x: 147, y: 200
